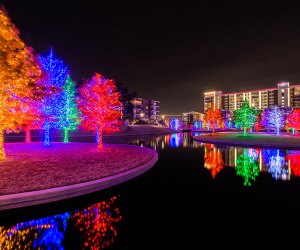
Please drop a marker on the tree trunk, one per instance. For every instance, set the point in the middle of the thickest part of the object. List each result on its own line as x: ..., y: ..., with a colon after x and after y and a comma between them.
x: 47, y: 136
x: 28, y: 137
x: 245, y: 131
x: 66, y: 135
x: 296, y: 131
x: 2, y: 152
x: 99, y: 138
x: 277, y: 130
x: 213, y: 130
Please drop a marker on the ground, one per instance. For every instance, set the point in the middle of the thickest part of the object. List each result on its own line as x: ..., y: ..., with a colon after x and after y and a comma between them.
x: 33, y: 166
x: 285, y: 140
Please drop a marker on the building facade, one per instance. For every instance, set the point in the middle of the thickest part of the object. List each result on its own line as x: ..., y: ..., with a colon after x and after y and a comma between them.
x: 145, y: 110
x: 285, y: 95
x: 189, y: 118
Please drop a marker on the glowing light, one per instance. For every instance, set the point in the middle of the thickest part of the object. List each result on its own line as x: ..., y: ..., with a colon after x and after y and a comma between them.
x: 54, y: 105
x: 97, y: 224
x: 213, y: 160
x: 275, y: 118
x: 100, y: 106
x: 247, y: 168
x: 175, y: 124
x: 294, y: 158
x: 293, y: 120
x: 275, y: 161
x: 175, y: 140
x: 19, y: 76
x: 69, y: 119
x: 45, y: 233
x: 213, y: 118
x: 245, y: 117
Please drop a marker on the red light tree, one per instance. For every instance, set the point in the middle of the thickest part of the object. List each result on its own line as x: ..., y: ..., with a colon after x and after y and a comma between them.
x: 213, y: 118
x: 100, y: 106
x: 293, y: 120
x: 258, y: 123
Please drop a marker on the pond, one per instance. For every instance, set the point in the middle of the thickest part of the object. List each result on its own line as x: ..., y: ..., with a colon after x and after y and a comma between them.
x: 197, y: 196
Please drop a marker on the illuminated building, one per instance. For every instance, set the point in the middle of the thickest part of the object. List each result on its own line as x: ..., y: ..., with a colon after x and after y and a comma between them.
x: 189, y: 118
x: 285, y: 95
x: 145, y: 110
x: 212, y: 98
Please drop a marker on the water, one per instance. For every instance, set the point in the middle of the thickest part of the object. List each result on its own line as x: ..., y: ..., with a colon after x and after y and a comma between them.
x: 198, y: 196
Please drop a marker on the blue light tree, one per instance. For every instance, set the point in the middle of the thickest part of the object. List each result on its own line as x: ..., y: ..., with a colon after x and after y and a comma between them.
x: 175, y: 124
x: 54, y: 105
x: 43, y: 233
x: 275, y: 118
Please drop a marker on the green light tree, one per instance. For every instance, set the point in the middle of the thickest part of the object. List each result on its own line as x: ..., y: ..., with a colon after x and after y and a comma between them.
x: 69, y: 119
x: 247, y: 168
x: 245, y: 116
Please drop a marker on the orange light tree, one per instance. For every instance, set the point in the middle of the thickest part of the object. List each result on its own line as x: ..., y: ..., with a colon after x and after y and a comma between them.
x: 19, y: 74
x: 213, y: 160
x: 293, y: 120
x: 100, y: 106
x: 213, y: 118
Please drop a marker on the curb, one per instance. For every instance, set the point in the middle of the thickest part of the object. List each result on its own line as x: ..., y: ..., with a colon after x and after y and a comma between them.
x: 25, y: 199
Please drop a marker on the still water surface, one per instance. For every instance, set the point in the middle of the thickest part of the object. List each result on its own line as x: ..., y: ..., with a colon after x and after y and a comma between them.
x: 198, y: 196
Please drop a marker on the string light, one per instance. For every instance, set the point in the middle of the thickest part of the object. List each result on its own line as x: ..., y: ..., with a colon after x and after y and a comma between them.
x: 213, y: 118
x: 275, y: 118
x: 69, y: 120
x: 19, y: 74
x: 100, y: 106
x: 245, y: 117
x: 293, y: 120
x: 54, y: 106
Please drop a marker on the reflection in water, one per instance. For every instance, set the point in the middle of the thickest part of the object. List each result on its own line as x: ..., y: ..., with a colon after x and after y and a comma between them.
x: 293, y: 159
x: 276, y: 163
x: 213, y: 160
x: 176, y: 140
x: 279, y: 163
x: 246, y: 167
x: 96, y: 223
x: 45, y: 233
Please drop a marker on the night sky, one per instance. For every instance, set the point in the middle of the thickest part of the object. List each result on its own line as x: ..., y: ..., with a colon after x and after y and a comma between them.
x: 171, y: 52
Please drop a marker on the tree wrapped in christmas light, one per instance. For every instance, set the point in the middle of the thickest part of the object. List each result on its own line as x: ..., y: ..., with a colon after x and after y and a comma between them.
x: 247, y: 168
x: 213, y: 118
x: 69, y: 120
x: 245, y: 117
x: 293, y: 120
x: 275, y: 118
x: 175, y: 124
x: 54, y: 105
x: 100, y: 106
x: 19, y: 74
x: 258, y: 123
